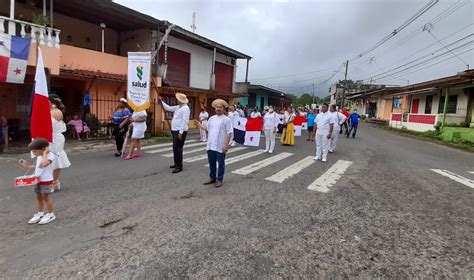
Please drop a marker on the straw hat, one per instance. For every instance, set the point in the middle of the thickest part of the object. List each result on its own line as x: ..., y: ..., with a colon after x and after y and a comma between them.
x: 123, y: 100
x: 182, y: 97
x: 219, y: 102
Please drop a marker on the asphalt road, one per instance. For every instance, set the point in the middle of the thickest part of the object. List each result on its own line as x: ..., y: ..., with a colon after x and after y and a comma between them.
x: 385, y: 214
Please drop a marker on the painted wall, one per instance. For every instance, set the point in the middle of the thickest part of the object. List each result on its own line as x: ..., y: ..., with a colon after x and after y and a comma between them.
x: 130, y: 39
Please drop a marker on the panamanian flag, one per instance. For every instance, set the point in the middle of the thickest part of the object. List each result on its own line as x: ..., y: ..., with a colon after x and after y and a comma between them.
x: 13, y: 58
x: 300, y: 123
x: 247, y: 131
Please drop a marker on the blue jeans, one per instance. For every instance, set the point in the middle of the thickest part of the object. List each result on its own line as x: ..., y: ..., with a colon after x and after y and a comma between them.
x: 215, y: 157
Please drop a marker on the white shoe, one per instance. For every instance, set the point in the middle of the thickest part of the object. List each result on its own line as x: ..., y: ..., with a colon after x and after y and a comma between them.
x: 331, y: 151
x: 323, y: 160
x: 232, y: 144
x: 36, y: 218
x: 316, y: 158
x: 266, y: 151
x: 47, y: 218
x: 270, y: 152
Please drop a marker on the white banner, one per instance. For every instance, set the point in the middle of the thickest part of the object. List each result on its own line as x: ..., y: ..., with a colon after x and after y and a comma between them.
x: 138, y: 93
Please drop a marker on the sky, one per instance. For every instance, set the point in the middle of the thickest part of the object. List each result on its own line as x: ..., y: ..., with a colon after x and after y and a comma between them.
x: 294, y: 44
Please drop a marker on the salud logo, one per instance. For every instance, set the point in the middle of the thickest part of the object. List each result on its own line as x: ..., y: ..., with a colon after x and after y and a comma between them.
x: 140, y: 71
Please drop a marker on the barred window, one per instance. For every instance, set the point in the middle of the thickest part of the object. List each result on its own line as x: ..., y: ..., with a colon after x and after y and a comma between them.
x: 171, y: 100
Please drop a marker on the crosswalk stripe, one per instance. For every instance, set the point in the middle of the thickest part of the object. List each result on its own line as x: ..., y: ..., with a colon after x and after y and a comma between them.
x: 291, y: 170
x: 185, y: 152
x: 472, y: 172
x: 260, y: 164
x: 171, y: 148
x: 330, y: 177
x: 455, y: 177
x: 242, y: 157
x: 201, y: 157
x: 163, y: 145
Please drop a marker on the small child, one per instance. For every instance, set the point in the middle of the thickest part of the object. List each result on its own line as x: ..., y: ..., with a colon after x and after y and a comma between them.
x: 44, y: 172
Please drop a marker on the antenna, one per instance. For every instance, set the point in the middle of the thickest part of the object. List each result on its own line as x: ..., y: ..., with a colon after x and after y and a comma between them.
x: 193, y: 26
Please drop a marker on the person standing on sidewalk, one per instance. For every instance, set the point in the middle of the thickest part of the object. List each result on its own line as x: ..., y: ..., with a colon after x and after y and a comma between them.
x: 311, y: 117
x: 270, y: 128
x: 354, y: 122
x: 323, y: 128
x: 203, y: 116
x: 179, y: 128
x: 339, y: 119
x: 220, y: 131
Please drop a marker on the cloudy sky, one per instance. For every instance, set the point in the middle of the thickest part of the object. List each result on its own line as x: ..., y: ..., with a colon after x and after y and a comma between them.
x: 297, y: 43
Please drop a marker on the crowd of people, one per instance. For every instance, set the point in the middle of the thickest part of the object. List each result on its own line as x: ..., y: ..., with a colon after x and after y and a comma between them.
x: 324, y: 124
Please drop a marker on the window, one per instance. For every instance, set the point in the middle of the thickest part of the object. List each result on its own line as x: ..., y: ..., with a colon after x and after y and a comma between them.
x: 452, y: 104
x: 428, y: 104
x: 397, y: 103
x: 171, y: 100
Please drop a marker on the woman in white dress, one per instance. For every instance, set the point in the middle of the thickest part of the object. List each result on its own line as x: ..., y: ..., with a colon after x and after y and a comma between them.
x: 57, y: 147
x: 203, y: 116
x: 138, y: 123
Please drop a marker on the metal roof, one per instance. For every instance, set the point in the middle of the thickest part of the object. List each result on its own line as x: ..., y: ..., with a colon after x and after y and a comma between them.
x: 267, y: 89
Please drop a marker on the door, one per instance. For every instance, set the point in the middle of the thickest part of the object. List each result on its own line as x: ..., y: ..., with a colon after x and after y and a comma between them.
x: 179, y: 67
x: 414, y: 106
x: 262, y: 103
x: 224, y: 76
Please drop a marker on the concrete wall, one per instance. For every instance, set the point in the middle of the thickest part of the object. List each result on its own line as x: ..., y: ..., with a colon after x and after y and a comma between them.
x: 130, y: 39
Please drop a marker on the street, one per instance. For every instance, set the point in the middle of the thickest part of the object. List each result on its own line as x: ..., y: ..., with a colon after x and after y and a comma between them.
x: 379, y: 212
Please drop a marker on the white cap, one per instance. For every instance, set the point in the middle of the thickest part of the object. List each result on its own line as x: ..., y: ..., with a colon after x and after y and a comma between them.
x: 123, y: 100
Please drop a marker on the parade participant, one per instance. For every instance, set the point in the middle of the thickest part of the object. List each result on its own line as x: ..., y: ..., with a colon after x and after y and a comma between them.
x: 354, y: 122
x: 138, y: 123
x: 240, y: 111
x: 4, y: 132
x: 346, y: 113
x: 203, y: 116
x: 270, y: 128
x: 120, y: 118
x: 246, y: 111
x: 232, y: 114
x: 57, y: 147
x: 179, y: 128
x: 44, y: 173
x: 79, y: 127
x: 339, y: 119
x: 323, y: 128
x: 255, y: 113
x: 311, y: 116
x: 220, y: 132
x: 288, y: 133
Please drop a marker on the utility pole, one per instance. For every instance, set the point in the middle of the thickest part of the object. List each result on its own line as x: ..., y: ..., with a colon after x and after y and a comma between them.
x: 345, y: 86
x: 313, y: 95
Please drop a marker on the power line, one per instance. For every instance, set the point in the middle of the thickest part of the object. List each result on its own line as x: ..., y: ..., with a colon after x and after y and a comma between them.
x: 467, y: 64
x: 296, y: 74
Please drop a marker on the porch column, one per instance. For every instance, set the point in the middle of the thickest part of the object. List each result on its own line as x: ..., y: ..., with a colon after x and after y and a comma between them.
x: 11, y: 24
x: 247, y: 71
x: 51, y: 13
x: 445, y: 108
x: 213, y: 71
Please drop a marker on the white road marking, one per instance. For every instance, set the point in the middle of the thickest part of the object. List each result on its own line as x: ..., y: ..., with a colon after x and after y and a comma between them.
x: 261, y: 164
x: 472, y: 172
x: 330, y: 177
x: 163, y: 145
x: 201, y: 157
x: 455, y: 177
x: 171, y: 148
x: 291, y: 170
x: 185, y: 152
x: 242, y: 157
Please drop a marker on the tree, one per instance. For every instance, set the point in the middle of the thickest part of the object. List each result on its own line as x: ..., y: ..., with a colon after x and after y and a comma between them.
x: 304, y: 99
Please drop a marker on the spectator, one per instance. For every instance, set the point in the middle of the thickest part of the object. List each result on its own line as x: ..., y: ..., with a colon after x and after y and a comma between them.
x: 79, y: 127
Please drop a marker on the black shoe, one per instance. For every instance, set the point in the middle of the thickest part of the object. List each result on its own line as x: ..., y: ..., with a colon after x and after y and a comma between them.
x: 353, y: 136
x: 172, y: 166
x: 176, y: 170
x: 347, y: 135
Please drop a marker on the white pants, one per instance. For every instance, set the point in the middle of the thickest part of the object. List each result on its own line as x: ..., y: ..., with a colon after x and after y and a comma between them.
x: 269, y: 140
x: 322, y: 146
x: 202, y: 132
x: 334, y: 137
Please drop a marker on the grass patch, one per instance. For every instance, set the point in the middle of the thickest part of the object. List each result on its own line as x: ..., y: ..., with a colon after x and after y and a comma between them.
x: 457, y: 137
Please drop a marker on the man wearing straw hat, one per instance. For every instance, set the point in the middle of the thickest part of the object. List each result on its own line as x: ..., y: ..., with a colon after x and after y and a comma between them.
x: 179, y: 128
x: 220, y: 131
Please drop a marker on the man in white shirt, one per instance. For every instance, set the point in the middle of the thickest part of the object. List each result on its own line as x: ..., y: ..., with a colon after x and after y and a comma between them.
x: 220, y: 131
x: 270, y: 128
x: 179, y: 128
x: 233, y: 114
x: 255, y: 113
x: 240, y: 111
x: 339, y: 119
x: 323, y: 128
x: 203, y: 116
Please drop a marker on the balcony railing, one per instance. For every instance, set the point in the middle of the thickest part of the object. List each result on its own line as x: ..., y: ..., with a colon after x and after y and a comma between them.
x: 46, y: 36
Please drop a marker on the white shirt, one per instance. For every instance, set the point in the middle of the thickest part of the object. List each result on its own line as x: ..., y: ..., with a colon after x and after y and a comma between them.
x: 136, y: 116
x: 255, y: 115
x: 203, y: 116
x: 241, y: 112
x: 339, y: 119
x: 323, y: 120
x: 232, y: 115
x: 218, y: 127
x: 287, y: 117
x: 180, y: 117
x: 44, y: 174
x: 270, y: 121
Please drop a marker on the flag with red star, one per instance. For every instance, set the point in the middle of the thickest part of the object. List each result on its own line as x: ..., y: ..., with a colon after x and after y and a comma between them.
x: 14, y: 52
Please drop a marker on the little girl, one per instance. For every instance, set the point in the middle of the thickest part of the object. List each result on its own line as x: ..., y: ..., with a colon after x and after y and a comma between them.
x: 44, y: 173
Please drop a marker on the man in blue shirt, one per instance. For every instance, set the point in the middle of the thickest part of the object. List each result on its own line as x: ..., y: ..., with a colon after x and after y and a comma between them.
x: 311, y: 116
x: 354, y: 122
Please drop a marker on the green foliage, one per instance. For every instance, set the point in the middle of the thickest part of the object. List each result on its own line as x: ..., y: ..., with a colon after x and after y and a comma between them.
x: 40, y: 20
